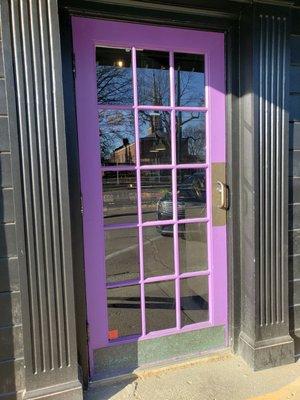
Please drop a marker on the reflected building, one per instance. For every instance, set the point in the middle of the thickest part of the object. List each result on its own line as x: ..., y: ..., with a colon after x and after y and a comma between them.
x: 155, y: 147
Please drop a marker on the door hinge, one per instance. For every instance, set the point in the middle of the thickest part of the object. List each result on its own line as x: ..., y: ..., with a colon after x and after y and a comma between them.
x: 81, y: 205
x: 73, y: 65
x: 88, y: 331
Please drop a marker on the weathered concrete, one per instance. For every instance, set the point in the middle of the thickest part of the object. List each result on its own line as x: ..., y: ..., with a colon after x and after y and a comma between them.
x: 222, y: 377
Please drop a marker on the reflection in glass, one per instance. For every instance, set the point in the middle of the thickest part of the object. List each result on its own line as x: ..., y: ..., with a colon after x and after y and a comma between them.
x: 191, y: 193
x: 160, y: 306
x: 114, y: 76
x: 117, y: 138
x: 155, y: 137
x: 189, y: 79
x: 119, y: 197
x: 192, y: 247
x: 121, y: 255
x: 157, y: 195
x: 153, y: 77
x: 194, y: 300
x: 158, y: 251
x: 190, y: 132
x: 124, y: 311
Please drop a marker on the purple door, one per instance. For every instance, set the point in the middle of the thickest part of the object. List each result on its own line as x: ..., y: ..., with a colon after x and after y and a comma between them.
x: 151, y: 128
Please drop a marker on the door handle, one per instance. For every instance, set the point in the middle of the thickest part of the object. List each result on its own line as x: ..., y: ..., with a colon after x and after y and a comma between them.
x: 222, y: 188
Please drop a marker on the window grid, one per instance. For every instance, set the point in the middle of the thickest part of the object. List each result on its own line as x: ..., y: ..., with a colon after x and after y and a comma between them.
x: 174, y: 166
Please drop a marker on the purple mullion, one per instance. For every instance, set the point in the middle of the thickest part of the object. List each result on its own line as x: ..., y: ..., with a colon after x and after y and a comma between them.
x: 191, y: 109
x: 156, y: 167
x: 208, y: 190
x: 153, y: 279
x: 110, y: 227
x: 170, y: 108
x: 158, y: 223
x: 153, y: 107
x: 150, y: 107
x: 124, y: 340
x: 172, y: 166
x: 115, y: 168
x: 166, y: 332
x: 192, y: 166
x: 185, y: 275
x: 172, y: 221
x: 139, y: 190
x: 193, y: 221
x: 161, y: 278
x: 174, y: 189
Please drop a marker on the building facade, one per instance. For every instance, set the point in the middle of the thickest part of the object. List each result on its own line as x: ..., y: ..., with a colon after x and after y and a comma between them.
x: 150, y: 187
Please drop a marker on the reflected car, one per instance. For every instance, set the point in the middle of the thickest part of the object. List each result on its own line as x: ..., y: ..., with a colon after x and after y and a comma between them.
x: 190, y: 196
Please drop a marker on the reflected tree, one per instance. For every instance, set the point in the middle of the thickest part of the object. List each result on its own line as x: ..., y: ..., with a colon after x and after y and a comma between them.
x: 114, y: 85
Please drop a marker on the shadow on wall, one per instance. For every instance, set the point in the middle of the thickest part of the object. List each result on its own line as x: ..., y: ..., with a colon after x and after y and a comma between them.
x: 8, y: 288
x: 11, y: 340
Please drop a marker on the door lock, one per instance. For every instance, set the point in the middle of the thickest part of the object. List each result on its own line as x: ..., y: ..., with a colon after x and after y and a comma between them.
x: 222, y: 188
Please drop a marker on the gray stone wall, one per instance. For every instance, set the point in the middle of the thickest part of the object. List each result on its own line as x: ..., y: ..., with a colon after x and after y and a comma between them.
x: 11, y: 340
x: 294, y: 172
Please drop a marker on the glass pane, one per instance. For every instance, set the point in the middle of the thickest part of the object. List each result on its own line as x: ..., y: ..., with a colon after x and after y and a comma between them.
x: 194, y: 300
x: 155, y: 137
x: 190, y: 132
x: 191, y: 193
x: 153, y: 77
x: 119, y: 197
x: 192, y: 247
x: 122, y: 255
x: 160, y: 306
x: 117, y: 138
x: 114, y: 76
x: 157, y: 195
x: 124, y: 311
x: 158, y: 250
x: 189, y: 79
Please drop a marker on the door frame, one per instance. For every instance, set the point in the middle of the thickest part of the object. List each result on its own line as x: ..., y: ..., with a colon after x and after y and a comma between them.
x: 229, y: 25
x: 84, y: 37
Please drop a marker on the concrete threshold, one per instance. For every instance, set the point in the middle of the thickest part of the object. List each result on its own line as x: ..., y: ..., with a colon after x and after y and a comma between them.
x: 220, y: 376
x: 162, y: 367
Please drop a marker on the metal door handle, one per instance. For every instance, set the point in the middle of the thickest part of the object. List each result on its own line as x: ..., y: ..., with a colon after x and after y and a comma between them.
x: 222, y: 188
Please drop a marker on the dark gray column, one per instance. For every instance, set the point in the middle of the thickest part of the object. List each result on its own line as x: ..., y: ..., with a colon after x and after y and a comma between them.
x: 38, y: 150
x: 264, y: 339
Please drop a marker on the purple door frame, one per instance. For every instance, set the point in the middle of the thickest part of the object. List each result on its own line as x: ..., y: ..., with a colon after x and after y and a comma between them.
x: 87, y: 34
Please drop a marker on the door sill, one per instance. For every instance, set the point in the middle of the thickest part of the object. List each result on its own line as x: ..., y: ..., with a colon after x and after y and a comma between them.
x: 163, y: 366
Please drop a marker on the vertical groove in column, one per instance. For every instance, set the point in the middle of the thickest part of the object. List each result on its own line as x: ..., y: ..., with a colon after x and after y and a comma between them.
x: 55, y: 348
x: 262, y: 191
x: 277, y: 170
x: 272, y: 182
x: 60, y: 319
x: 282, y: 187
x: 272, y: 87
x: 43, y: 179
x: 266, y: 169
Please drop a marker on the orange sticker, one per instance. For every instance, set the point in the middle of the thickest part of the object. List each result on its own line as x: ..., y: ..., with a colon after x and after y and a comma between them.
x: 114, y: 334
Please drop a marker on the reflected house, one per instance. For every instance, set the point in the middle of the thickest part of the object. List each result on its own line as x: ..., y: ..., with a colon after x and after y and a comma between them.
x: 124, y: 154
x: 155, y: 146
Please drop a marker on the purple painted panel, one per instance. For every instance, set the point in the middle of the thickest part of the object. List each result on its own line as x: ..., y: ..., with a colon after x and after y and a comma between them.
x: 87, y: 34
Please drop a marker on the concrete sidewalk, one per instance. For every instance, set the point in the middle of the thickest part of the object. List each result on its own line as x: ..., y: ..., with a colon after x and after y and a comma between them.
x: 219, y: 377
